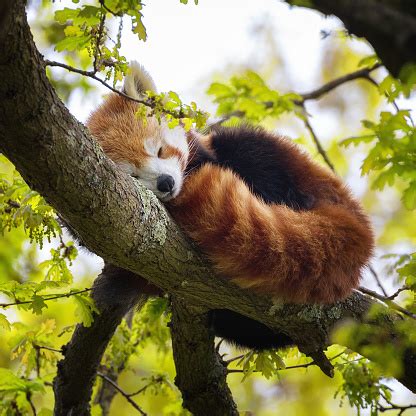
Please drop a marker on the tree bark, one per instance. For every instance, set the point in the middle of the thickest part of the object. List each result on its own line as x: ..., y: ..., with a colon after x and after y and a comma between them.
x: 389, y: 25
x: 82, y: 355
x: 200, y: 372
x: 56, y: 156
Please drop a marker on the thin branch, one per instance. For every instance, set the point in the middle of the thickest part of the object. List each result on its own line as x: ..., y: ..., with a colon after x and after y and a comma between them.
x: 99, y: 38
x: 63, y: 295
x: 377, y: 279
x: 157, y: 380
x: 92, y: 75
x: 397, y: 292
x: 317, y: 142
x: 387, y: 301
x: 331, y: 85
x: 238, y: 357
x: 44, y: 347
x: 29, y: 399
x: 396, y: 407
x: 290, y: 367
x: 393, y: 102
x: 122, y: 392
x: 118, y: 14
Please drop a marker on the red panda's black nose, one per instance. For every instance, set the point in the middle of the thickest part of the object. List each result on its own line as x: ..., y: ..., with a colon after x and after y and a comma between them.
x: 165, y: 183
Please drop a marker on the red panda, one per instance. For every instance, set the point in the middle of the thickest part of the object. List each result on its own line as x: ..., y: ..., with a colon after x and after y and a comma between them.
x: 268, y: 217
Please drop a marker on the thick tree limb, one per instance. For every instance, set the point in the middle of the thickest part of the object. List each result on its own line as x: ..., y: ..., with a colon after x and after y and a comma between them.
x: 77, y: 371
x: 57, y: 157
x: 389, y: 25
x: 200, y: 373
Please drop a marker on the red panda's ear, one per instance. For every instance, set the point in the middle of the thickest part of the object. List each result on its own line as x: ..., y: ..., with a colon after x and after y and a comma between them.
x: 138, y: 81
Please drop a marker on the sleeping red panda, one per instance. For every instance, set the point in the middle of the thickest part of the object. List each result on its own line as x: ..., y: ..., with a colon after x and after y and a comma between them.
x: 268, y: 217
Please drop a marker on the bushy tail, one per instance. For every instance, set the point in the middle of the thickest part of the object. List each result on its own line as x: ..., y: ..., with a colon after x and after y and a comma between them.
x: 313, y: 256
x: 138, y: 81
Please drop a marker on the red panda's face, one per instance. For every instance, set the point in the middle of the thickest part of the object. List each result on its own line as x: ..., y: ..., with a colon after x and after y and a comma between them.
x: 164, y: 154
x: 145, y: 149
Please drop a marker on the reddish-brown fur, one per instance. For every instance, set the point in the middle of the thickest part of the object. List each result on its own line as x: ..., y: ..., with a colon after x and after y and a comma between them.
x: 313, y: 256
x: 120, y: 131
x: 301, y: 256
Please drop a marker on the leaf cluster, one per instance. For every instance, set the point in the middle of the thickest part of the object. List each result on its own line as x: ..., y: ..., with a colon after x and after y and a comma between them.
x: 362, y: 386
x: 20, y: 206
x: 249, y: 97
x: 393, y: 152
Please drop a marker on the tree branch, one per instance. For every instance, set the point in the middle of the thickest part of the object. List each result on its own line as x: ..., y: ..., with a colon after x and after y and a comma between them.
x: 363, y: 73
x: 200, y: 372
x: 57, y: 157
x: 93, y: 75
x: 82, y: 355
x: 51, y: 297
x: 122, y: 392
x: 389, y: 25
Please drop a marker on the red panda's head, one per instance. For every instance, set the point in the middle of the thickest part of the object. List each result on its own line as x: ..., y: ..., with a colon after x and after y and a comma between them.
x: 147, y: 150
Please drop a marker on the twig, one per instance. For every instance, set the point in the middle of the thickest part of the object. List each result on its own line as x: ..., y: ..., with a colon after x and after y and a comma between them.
x: 92, y: 75
x: 290, y: 367
x: 317, y: 142
x: 387, y: 301
x: 29, y: 399
x: 393, y: 102
x: 44, y: 347
x: 218, y: 346
x: 377, y: 279
x: 98, y: 40
x: 331, y: 85
x: 396, y: 407
x: 122, y: 392
x: 397, y: 292
x: 118, y: 14
x: 239, y: 357
x: 63, y: 295
x: 157, y: 380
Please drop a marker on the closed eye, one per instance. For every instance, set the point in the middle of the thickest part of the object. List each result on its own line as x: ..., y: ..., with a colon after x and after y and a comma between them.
x: 159, y: 153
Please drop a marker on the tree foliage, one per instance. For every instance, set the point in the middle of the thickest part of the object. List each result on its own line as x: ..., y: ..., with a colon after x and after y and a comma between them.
x: 42, y: 301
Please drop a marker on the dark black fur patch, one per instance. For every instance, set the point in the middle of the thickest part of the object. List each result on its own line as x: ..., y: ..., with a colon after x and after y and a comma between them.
x: 255, y: 155
x: 245, y: 332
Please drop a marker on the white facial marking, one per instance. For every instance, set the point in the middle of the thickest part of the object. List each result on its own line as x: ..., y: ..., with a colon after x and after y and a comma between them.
x: 176, y: 138
x: 152, y: 146
x: 153, y: 166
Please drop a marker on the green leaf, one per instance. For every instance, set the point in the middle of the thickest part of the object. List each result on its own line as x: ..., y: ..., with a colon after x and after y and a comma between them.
x: 409, y: 196
x: 37, y: 304
x: 73, y: 43
x: 85, y: 309
x: 219, y: 90
x: 369, y: 61
x: 355, y: 141
x: 385, y: 178
x: 62, y: 16
x: 175, y: 97
x: 4, y: 323
x: 10, y: 382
